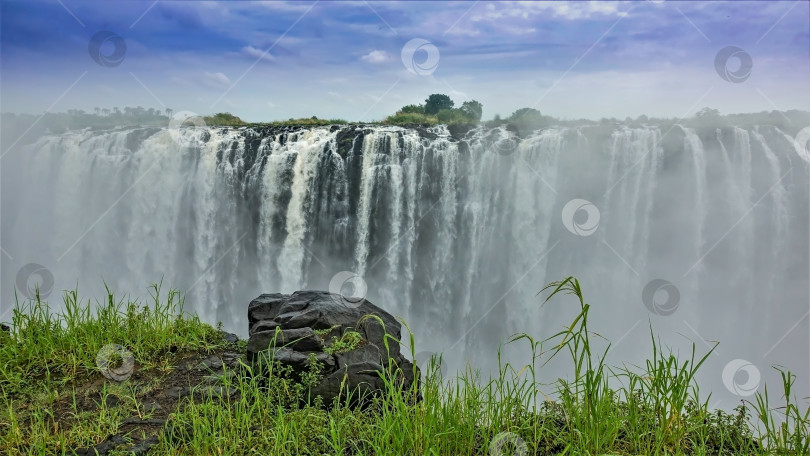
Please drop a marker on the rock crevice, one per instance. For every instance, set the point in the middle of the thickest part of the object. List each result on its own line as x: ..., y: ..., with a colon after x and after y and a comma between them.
x: 290, y: 329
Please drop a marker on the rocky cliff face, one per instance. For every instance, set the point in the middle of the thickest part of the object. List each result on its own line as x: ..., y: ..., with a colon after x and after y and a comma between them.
x: 456, y: 236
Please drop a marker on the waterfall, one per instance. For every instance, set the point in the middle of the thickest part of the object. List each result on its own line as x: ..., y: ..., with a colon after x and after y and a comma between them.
x: 455, y: 235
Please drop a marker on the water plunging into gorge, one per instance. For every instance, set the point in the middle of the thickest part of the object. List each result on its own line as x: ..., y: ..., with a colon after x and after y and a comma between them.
x: 455, y: 236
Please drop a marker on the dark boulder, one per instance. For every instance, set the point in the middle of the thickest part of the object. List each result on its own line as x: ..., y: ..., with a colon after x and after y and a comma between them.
x: 230, y: 338
x: 298, y: 339
x: 459, y: 131
x: 352, y: 349
x: 320, y: 310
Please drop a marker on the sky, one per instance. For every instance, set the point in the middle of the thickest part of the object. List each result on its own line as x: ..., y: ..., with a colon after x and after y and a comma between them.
x: 363, y: 60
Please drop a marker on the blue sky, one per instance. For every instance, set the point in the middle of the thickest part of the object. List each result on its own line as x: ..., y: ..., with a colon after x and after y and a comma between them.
x: 276, y: 60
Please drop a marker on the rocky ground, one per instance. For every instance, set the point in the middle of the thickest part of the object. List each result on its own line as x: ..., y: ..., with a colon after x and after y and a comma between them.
x: 194, y: 375
x: 293, y: 329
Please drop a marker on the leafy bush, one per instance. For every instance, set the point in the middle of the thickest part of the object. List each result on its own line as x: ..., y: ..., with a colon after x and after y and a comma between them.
x: 304, y: 121
x: 527, y: 120
x: 410, y: 118
x: 473, y: 110
x: 350, y: 340
x: 437, y: 102
x: 223, y: 119
x: 438, y: 108
x: 453, y: 116
x: 653, y: 408
x: 412, y: 109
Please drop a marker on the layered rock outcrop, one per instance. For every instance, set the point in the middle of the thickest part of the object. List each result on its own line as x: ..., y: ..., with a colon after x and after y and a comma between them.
x: 354, y: 341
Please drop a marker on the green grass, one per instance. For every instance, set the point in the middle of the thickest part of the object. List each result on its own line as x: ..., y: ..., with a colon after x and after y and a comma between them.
x: 63, y: 347
x: 304, y: 121
x: 221, y: 119
x: 225, y: 119
x: 47, y: 357
x: 348, y: 341
x: 653, y: 409
x: 411, y: 118
x: 445, y: 116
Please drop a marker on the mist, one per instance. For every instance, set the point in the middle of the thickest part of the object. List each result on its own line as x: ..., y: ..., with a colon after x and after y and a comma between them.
x: 696, y: 228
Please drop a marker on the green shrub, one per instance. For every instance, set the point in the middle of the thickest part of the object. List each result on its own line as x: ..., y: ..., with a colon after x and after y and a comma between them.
x: 527, y: 120
x: 436, y: 102
x: 473, y: 110
x: 452, y: 116
x: 651, y: 409
x: 350, y: 340
x: 411, y: 118
x: 223, y: 119
x: 412, y: 109
x: 304, y: 121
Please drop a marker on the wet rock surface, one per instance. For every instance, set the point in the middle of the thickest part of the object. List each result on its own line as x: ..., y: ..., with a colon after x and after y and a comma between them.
x: 293, y: 329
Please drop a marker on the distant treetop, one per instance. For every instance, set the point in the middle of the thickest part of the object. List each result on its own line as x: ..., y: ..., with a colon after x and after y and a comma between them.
x: 437, y: 102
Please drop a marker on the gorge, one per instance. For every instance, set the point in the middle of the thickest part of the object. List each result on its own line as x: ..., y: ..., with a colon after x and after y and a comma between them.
x: 698, y: 230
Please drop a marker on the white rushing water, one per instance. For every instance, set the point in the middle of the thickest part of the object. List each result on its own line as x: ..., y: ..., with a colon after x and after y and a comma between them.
x: 457, y: 237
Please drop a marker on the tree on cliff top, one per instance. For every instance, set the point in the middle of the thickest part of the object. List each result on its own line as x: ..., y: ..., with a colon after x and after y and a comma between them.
x: 473, y: 110
x: 437, y: 102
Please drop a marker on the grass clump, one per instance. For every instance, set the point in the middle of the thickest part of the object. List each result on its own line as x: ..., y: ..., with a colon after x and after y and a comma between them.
x: 223, y: 119
x: 313, y: 121
x: 42, y: 344
x: 410, y: 118
x: 346, y: 342
x: 49, y: 363
x: 226, y: 119
x: 653, y: 409
x: 445, y: 116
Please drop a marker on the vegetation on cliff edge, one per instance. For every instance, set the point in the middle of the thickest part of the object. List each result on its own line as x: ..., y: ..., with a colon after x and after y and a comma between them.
x: 55, y: 398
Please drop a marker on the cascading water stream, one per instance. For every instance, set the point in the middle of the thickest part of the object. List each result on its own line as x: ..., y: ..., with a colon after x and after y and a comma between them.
x: 456, y: 236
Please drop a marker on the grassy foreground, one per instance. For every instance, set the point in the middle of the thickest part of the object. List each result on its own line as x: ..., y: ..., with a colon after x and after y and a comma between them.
x: 60, y: 392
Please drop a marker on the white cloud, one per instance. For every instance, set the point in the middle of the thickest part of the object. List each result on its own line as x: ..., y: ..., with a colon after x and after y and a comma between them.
x: 376, y: 56
x: 463, y: 31
x: 270, y: 104
x: 286, y: 6
x: 215, y: 79
x: 256, y: 53
x: 566, y: 10
x: 520, y: 30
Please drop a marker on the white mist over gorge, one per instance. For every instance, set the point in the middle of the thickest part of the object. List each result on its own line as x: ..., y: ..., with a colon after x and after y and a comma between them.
x: 700, y: 230
x: 597, y: 214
